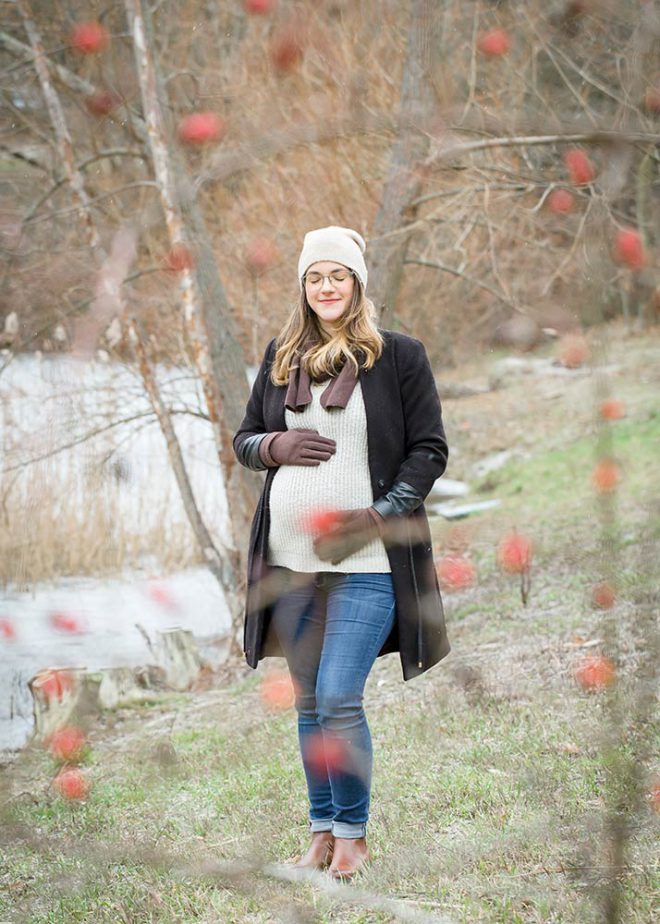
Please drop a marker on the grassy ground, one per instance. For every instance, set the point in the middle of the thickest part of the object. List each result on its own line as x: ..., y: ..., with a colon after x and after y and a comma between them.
x: 495, y: 776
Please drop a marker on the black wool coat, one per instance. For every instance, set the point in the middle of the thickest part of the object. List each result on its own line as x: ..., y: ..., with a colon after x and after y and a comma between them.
x: 406, y: 442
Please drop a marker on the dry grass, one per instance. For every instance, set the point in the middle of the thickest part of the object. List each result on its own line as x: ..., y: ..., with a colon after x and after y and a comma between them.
x: 87, y: 488
x: 49, y: 536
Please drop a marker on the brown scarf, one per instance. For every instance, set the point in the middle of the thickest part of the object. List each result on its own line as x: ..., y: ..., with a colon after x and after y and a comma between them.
x: 337, y: 394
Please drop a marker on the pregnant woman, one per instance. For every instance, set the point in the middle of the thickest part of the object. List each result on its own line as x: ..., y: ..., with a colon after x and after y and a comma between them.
x: 345, y: 417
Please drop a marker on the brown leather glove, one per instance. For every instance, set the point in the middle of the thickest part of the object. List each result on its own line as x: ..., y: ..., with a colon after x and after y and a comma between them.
x: 296, y: 447
x: 353, y: 529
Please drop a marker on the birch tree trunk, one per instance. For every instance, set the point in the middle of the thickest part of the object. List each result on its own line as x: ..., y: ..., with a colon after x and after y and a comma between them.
x: 112, y: 271
x: 219, y: 567
x: 213, y: 340
x: 63, y: 141
x: 388, y: 246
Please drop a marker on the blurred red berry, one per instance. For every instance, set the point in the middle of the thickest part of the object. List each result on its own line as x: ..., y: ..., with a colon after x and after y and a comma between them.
x: 561, y: 201
x: 67, y: 743
x: 259, y: 7
x: 260, y: 254
x: 287, y: 48
x: 72, y: 784
x: 573, y: 351
x: 495, y: 43
x: 603, y: 595
x: 580, y: 169
x: 594, y: 673
x: 612, y: 409
x: 321, y: 522
x: 161, y: 594
x: 651, y: 101
x: 629, y: 248
x: 66, y: 622
x: 7, y: 629
x: 514, y: 553
x: 201, y: 128
x: 179, y: 258
x: 325, y: 753
x: 278, y: 691
x: 606, y: 476
x: 455, y: 572
x: 103, y: 102
x: 572, y: 12
x: 90, y: 37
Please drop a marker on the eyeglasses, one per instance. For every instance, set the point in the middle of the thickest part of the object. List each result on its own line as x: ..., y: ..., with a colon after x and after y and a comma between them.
x: 336, y: 277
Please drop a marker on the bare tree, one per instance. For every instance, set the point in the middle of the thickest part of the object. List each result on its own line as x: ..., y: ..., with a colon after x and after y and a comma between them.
x: 402, y: 184
x: 213, y: 341
x: 108, y: 302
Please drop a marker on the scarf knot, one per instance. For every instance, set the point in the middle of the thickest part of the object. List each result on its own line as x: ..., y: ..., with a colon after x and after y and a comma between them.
x: 336, y: 394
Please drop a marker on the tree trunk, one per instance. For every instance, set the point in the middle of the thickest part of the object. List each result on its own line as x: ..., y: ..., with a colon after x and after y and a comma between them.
x: 387, y: 250
x: 112, y: 271
x: 213, y: 340
x: 220, y: 567
x: 63, y: 141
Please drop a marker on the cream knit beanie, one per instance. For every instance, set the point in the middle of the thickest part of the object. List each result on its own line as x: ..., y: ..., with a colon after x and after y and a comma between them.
x: 342, y: 245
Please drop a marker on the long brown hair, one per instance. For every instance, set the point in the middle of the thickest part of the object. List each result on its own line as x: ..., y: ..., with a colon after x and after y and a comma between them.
x: 356, y: 339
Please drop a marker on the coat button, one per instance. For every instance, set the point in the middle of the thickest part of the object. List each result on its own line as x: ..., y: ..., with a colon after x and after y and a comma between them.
x: 381, y: 483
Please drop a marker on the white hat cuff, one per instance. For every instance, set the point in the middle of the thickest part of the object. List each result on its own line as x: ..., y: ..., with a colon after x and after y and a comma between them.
x: 341, y: 245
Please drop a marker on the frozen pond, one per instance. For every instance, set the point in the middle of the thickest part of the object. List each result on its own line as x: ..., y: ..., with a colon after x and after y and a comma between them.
x: 82, y: 437
x: 75, y: 439
x: 93, y: 623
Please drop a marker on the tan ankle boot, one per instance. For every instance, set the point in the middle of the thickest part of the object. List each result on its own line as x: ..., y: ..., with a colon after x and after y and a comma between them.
x: 319, y: 852
x: 350, y: 855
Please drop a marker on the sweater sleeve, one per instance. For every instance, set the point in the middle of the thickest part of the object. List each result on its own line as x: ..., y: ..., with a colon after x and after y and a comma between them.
x: 249, y: 435
x: 426, y: 450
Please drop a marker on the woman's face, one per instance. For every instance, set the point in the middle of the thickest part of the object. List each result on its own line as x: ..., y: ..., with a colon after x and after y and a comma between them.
x: 329, y: 295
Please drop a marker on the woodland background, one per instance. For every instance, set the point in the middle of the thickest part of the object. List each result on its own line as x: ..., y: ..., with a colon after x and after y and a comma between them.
x: 326, y: 107
x: 501, y: 160
x: 492, y: 154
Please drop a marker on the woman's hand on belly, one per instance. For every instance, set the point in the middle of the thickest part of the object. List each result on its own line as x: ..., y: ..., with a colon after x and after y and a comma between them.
x: 301, y: 447
x: 349, y: 532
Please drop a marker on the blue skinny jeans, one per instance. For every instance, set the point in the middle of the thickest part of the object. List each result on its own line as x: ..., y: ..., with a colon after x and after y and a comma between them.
x: 331, y: 629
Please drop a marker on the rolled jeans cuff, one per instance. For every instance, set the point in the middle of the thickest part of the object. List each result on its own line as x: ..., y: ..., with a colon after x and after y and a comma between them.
x: 320, y: 824
x: 344, y: 829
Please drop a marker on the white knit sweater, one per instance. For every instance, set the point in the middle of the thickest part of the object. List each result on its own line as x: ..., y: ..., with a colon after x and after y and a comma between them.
x: 341, y: 483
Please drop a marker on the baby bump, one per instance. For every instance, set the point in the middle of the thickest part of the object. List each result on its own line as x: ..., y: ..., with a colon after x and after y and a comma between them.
x: 298, y: 490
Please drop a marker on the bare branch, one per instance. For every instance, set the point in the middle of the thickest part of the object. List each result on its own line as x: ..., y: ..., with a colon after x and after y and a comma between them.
x: 263, y: 146
x: 76, y: 442
x: 149, y: 184
x: 598, y: 136
x: 569, y: 254
x: 116, y: 152
x: 56, y: 113
x: 64, y: 75
x: 28, y: 154
x: 221, y: 566
x: 69, y: 313
x: 447, y: 193
x: 436, y: 264
x: 588, y: 78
